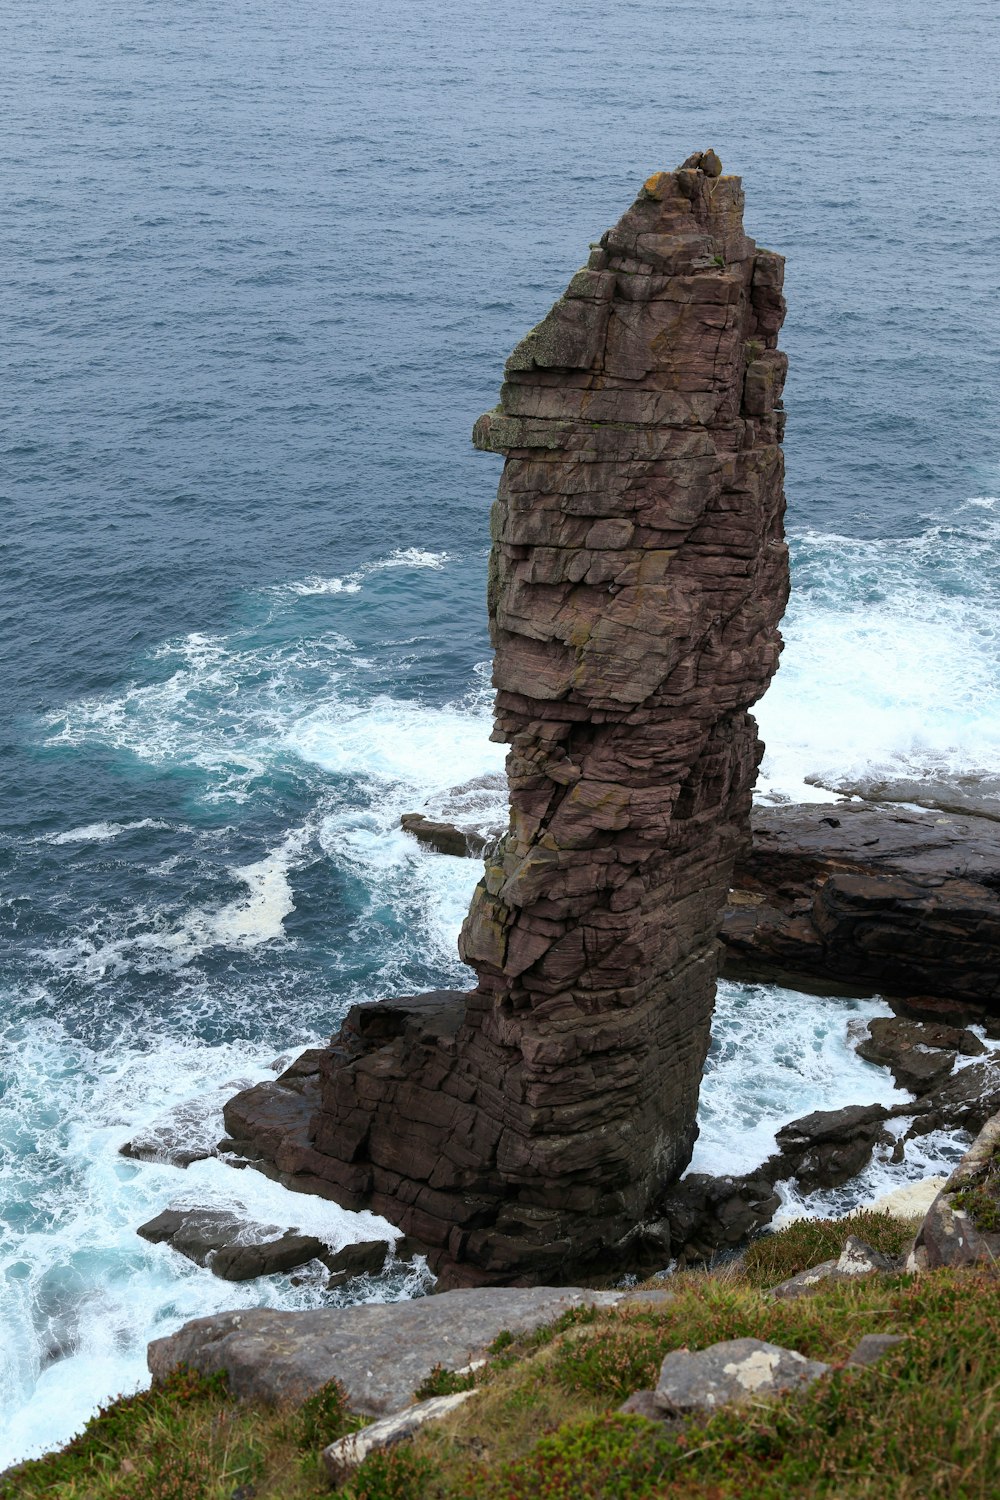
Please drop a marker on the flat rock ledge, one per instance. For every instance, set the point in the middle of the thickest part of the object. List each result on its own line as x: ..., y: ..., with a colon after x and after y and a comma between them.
x: 380, y: 1352
x: 894, y: 899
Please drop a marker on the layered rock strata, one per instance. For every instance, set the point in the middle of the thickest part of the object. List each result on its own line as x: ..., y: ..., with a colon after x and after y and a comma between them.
x: 878, y: 898
x: 637, y: 577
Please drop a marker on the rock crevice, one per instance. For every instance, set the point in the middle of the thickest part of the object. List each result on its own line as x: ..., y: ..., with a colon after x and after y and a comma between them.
x: 637, y: 576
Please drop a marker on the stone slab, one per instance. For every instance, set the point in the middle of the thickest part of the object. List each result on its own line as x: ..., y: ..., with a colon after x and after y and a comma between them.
x: 380, y: 1352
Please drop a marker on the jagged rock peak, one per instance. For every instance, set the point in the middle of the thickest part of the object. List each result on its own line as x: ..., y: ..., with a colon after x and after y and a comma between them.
x: 636, y: 580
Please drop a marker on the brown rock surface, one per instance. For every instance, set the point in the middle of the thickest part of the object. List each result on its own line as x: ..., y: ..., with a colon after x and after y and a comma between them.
x: 637, y: 577
x: 880, y: 898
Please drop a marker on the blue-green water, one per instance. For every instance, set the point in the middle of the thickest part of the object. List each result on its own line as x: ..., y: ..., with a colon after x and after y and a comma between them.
x: 262, y: 266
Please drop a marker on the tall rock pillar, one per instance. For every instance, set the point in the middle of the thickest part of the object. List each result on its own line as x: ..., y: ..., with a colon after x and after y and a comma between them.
x: 637, y: 577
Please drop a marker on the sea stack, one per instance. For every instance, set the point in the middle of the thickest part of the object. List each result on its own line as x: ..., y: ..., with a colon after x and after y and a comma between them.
x: 525, y: 1131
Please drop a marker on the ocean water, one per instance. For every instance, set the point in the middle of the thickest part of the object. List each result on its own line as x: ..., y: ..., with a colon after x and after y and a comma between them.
x: 262, y: 266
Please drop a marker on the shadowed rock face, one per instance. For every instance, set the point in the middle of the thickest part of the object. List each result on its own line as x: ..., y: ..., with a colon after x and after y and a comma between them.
x: 637, y: 577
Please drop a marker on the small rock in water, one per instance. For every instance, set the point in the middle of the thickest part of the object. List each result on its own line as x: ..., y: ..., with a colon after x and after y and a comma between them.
x: 218, y: 1239
x: 187, y: 1133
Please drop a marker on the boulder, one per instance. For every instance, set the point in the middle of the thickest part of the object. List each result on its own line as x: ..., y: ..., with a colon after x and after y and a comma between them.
x: 230, y: 1245
x: 340, y: 1459
x: 919, y: 1054
x: 829, y: 1146
x: 380, y: 1352
x: 872, y: 1348
x: 731, y: 1373
x: 856, y: 1259
x: 962, y: 1225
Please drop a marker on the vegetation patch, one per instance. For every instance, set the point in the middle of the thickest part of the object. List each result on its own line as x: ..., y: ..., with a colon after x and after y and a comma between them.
x: 545, y: 1426
x: 775, y: 1257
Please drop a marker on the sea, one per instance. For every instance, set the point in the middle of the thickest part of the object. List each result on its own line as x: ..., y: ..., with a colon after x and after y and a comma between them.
x: 261, y: 266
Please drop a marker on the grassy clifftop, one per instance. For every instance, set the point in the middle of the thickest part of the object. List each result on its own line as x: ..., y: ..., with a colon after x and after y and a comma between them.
x: 544, y: 1424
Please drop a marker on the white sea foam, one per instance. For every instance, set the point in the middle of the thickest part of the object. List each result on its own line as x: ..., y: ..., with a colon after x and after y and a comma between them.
x: 82, y: 1294
x: 151, y: 942
x: 99, y: 833
x: 891, y: 665
x: 778, y: 1054
x: 351, y: 583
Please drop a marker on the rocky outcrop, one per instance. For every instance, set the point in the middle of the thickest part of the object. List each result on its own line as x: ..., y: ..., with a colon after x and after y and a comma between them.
x: 238, y: 1249
x: 380, y: 1352
x: 878, y: 898
x: 962, y: 1225
x: 636, y: 580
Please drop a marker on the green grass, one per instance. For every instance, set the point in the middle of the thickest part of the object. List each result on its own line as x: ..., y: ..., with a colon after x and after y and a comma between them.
x: 544, y: 1423
x: 775, y: 1257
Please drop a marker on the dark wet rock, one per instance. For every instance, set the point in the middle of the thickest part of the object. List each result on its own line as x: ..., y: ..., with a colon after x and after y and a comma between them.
x: 229, y: 1244
x: 341, y: 1459
x: 365, y: 1258
x: 919, y: 1054
x: 875, y: 898
x: 637, y: 577
x: 446, y: 838
x: 940, y: 1009
x: 829, y: 1146
x: 732, y: 1373
x: 707, y: 1214
x: 962, y: 1225
x: 965, y: 1101
x: 871, y: 1348
x: 380, y: 1352
x: 466, y: 820
x: 186, y: 1133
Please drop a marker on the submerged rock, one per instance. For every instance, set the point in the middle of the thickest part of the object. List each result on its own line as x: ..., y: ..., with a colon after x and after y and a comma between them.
x: 637, y: 576
x: 186, y: 1133
x: 919, y: 1054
